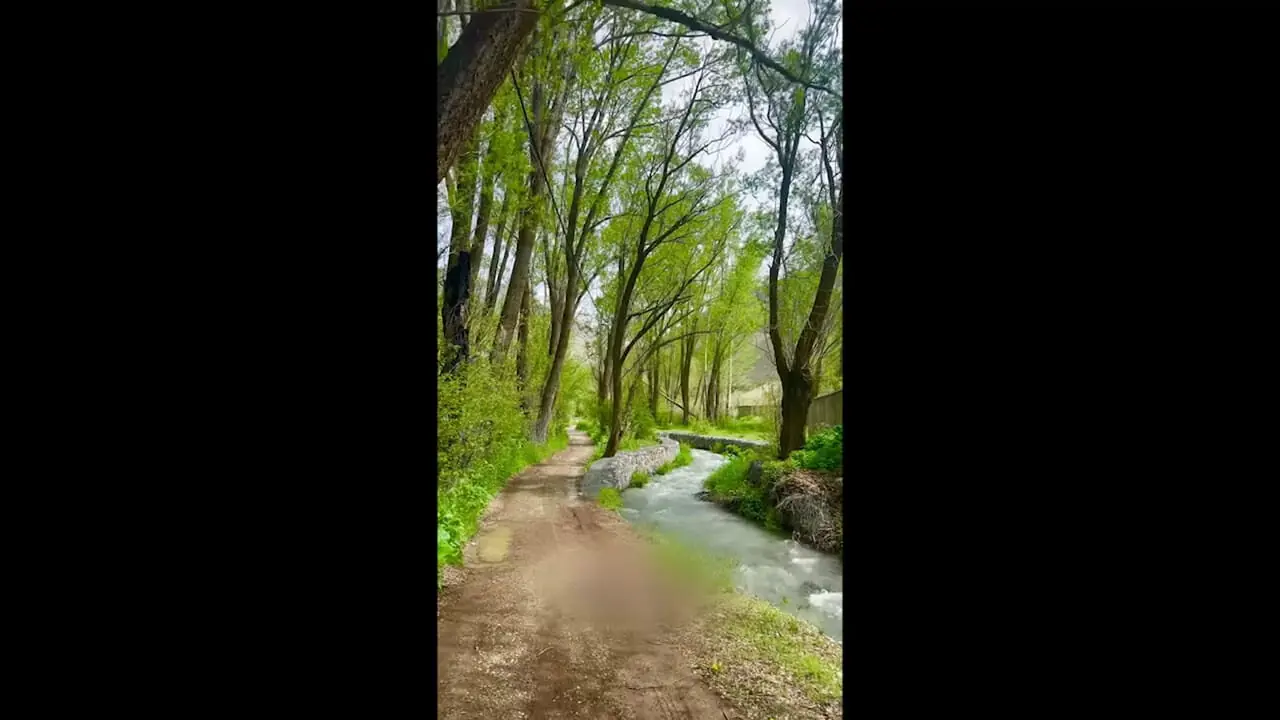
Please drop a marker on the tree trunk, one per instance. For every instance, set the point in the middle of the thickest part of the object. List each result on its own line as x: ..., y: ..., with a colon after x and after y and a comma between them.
x: 519, y: 272
x: 455, y: 330
x: 488, y: 175
x: 522, y: 346
x: 654, y: 375
x: 458, y: 272
x: 686, y: 367
x: 797, y: 392
x: 547, y: 404
x: 470, y: 74
x: 491, y: 293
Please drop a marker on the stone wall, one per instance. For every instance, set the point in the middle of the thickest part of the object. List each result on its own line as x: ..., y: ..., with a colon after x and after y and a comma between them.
x: 615, y: 472
x: 704, y: 442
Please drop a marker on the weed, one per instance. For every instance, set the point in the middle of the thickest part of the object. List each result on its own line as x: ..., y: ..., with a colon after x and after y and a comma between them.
x: 610, y: 499
x: 639, y: 479
x: 823, y: 450
x: 683, y: 457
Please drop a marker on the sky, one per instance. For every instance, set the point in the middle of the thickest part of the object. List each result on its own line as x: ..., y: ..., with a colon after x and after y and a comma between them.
x: 788, y: 17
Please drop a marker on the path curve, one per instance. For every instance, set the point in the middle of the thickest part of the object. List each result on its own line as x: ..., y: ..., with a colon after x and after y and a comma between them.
x: 560, y: 614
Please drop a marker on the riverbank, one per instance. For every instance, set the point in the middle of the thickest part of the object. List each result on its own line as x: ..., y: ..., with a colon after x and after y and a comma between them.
x: 564, y: 610
x: 803, y: 495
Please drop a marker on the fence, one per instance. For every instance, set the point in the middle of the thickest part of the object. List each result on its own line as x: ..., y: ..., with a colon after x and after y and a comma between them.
x: 823, y: 412
x: 826, y: 411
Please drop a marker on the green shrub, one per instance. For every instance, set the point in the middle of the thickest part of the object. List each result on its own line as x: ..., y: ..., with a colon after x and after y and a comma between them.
x: 701, y: 427
x: 642, y: 423
x: 823, y: 451
x: 665, y: 468
x: 639, y: 479
x: 683, y: 457
x: 717, y: 448
x: 610, y: 499
x: 480, y: 444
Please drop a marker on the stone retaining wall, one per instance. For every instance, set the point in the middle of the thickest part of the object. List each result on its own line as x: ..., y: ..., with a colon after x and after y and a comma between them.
x: 704, y: 442
x: 615, y: 472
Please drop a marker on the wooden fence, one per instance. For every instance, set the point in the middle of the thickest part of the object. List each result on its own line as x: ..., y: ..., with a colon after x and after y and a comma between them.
x: 825, y: 411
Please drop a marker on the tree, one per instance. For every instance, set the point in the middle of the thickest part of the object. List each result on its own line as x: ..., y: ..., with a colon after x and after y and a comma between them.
x: 676, y: 203
x: 787, y: 113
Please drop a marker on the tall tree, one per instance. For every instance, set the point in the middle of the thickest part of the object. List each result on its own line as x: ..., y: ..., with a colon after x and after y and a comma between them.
x: 786, y: 113
x: 602, y: 97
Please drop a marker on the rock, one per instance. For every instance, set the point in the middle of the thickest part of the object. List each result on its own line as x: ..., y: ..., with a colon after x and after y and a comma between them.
x: 705, y: 442
x: 615, y: 472
x: 754, y: 472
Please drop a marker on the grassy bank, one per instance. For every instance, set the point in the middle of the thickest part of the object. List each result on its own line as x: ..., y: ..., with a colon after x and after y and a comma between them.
x: 461, y: 503
x: 747, y: 428
x: 753, y: 654
x: 800, y: 495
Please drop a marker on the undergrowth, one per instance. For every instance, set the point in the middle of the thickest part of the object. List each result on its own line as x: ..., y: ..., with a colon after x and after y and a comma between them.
x: 683, y: 457
x: 610, y: 499
x: 481, y: 442
x: 823, y: 451
x: 730, y: 485
x: 460, y: 505
x: 639, y: 479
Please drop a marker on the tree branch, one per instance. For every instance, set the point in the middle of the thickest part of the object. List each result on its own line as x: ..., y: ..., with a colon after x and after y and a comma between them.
x: 694, y: 24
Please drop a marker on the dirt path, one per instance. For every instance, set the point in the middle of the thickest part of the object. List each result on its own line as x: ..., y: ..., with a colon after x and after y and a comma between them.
x: 560, y: 614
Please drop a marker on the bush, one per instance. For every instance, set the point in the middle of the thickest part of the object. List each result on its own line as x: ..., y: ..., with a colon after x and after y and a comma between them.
x: 823, y: 451
x: 665, y: 468
x: 639, y: 479
x: 610, y: 499
x: 642, y: 423
x: 717, y: 448
x: 480, y: 444
x: 683, y: 457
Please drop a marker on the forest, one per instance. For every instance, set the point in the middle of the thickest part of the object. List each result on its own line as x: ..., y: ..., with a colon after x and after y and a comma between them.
x: 639, y: 219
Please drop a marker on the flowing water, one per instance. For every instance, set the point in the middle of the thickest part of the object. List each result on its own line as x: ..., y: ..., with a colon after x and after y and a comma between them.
x: 796, y: 579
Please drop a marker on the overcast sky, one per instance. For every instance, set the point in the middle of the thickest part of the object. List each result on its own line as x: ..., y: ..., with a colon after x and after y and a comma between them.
x: 788, y: 17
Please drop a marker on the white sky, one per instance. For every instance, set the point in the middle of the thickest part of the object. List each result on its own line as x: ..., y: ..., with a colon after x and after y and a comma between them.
x: 788, y: 17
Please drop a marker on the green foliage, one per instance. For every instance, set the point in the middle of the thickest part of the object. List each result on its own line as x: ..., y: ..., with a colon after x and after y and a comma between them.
x: 664, y: 468
x: 642, y: 423
x: 460, y: 505
x: 683, y: 457
x: 610, y: 499
x: 717, y: 448
x: 729, y: 485
x: 639, y: 479
x: 823, y: 450
x: 763, y: 633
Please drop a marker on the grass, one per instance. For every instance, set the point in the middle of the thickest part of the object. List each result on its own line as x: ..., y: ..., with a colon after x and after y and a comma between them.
x: 747, y: 428
x: 460, y: 505
x: 639, y: 479
x: 746, y: 644
x: 610, y: 499
x: 682, y: 458
x: 752, y: 637
x: 729, y: 486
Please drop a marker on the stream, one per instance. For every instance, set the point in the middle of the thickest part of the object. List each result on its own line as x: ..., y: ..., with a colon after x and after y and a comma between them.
x: 775, y: 568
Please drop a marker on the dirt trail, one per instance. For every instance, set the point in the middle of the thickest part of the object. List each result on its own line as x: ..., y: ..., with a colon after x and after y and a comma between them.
x: 560, y: 614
